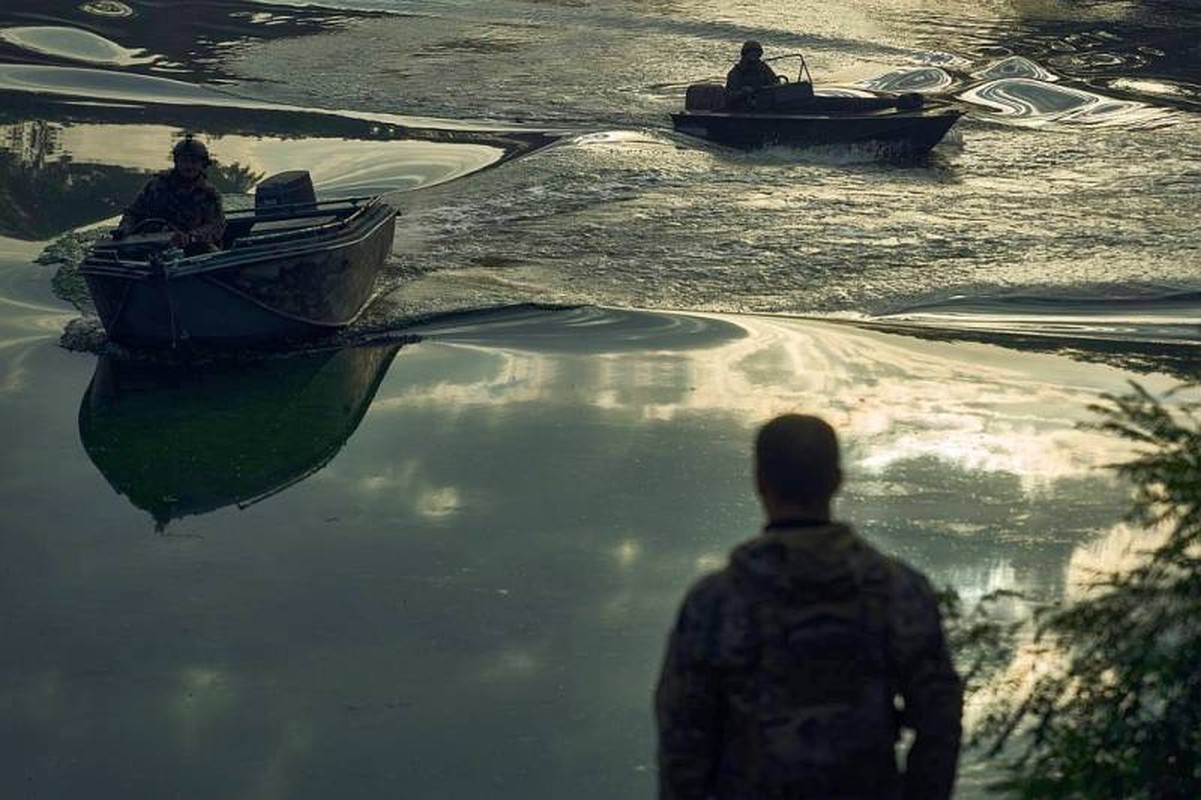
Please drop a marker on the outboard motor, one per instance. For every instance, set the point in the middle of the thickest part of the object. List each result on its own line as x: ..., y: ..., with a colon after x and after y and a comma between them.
x: 293, y: 189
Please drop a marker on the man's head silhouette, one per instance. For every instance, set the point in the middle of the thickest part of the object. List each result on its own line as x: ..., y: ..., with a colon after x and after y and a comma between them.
x: 796, y: 463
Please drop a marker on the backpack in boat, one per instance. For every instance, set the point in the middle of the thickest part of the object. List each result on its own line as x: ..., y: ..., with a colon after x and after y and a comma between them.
x: 705, y: 97
x: 815, y: 716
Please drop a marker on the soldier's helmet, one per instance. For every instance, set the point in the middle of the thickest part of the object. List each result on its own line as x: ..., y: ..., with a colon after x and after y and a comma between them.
x: 191, y: 147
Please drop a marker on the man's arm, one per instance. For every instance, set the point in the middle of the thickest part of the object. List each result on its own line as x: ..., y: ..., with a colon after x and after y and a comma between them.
x: 932, y: 692
x: 688, y: 704
x: 140, y: 209
x: 734, y: 80
x: 212, y: 224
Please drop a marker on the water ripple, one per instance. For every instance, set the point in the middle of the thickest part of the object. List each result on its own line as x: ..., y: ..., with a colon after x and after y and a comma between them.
x: 110, y: 85
x: 1105, y: 313
x: 107, y: 8
x: 1025, y: 101
x: 74, y: 44
x: 1015, y: 67
x: 1176, y: 92
x: 922, y: 79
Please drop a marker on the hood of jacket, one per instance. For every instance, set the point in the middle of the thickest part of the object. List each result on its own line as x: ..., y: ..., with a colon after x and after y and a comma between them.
x: 800, y: 561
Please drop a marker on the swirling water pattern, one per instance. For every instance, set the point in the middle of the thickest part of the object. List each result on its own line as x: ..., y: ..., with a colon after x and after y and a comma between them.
x: 1031, y: 191
x: 455, y: 605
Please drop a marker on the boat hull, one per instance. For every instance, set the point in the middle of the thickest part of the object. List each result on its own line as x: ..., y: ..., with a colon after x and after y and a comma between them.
x: 298, y: 288
x: 907, y: 132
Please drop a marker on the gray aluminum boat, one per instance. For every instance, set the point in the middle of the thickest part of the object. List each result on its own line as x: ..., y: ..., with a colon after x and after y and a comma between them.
x: 906, y: 132
x: 291, y: 271
x: 793, y: 115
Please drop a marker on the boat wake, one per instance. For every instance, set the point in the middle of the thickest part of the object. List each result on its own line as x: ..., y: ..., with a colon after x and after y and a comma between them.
x: 1019, y: 91
x: 617, y: 210
x: 1112, y: 312
x: 1150, y: 328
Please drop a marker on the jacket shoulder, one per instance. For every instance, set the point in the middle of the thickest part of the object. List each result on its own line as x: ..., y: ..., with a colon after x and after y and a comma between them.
x: 904, y: 581
x: 914, y: 619
x: 708, y: 594
x: 209, y: 192
x: 908, y: 586
x: 157, y: 182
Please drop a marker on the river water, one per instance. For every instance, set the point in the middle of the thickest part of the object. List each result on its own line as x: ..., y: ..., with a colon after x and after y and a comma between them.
x: 445, y: 569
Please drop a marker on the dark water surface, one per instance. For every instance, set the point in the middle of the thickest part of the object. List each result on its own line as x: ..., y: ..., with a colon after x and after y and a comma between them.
x: 468, y: 592
x: 445, y: 568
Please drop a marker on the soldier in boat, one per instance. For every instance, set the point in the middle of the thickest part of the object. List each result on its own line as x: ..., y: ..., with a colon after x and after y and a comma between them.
x: 748, y: 76
x: 183, y: 199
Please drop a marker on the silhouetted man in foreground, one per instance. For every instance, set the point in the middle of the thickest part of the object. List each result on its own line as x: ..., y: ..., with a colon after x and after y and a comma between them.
x: 784, y: 669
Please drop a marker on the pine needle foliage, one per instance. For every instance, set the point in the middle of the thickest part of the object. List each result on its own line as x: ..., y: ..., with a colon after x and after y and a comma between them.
x: 1110, y: 706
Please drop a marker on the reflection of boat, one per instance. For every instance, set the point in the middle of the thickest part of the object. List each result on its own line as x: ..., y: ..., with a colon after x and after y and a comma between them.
x: 185, y: 440
x: 791, y: 114
x: 287, y: 271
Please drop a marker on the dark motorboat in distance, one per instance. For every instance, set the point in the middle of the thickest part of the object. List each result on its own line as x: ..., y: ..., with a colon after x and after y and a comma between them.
x: 792, y: 114
x: 291, y: 268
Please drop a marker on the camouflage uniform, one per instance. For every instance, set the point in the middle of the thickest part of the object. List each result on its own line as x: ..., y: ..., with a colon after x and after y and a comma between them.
x: 750, y: 75
x: 192, y: 207
x: 783, y: 671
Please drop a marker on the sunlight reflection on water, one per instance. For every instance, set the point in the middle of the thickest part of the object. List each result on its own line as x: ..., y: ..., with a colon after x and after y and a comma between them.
x: 1033, y: 102
x: 479, y: 493
x: 74, y: 44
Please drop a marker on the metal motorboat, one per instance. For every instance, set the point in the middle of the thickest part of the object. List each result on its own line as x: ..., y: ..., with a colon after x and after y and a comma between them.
x: 793, y: 114
x: 293, y: 267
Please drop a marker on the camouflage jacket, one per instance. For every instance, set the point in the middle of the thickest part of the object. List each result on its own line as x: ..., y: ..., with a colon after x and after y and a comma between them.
x: 784, y: 669
x: 193, y: 208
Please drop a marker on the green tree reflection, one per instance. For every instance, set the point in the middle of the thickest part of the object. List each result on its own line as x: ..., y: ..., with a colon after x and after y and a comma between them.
x: 1109, y: 703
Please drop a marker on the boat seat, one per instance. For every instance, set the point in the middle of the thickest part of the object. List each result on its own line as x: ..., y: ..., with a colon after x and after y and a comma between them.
x: 277, y: 225
x: 236, y: 229
x: 785, y: 97
x: 249, y: 226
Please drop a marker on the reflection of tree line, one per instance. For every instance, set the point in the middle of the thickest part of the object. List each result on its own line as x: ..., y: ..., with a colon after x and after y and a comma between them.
x: 1101, y: 697
x: 42, y: 195
x: 41, y: 202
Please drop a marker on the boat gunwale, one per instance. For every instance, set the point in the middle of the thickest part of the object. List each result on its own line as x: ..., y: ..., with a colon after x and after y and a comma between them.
x: 299, y: 210
x: 879, y: 114
x: 347, y: 232
x: 383, y: 215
